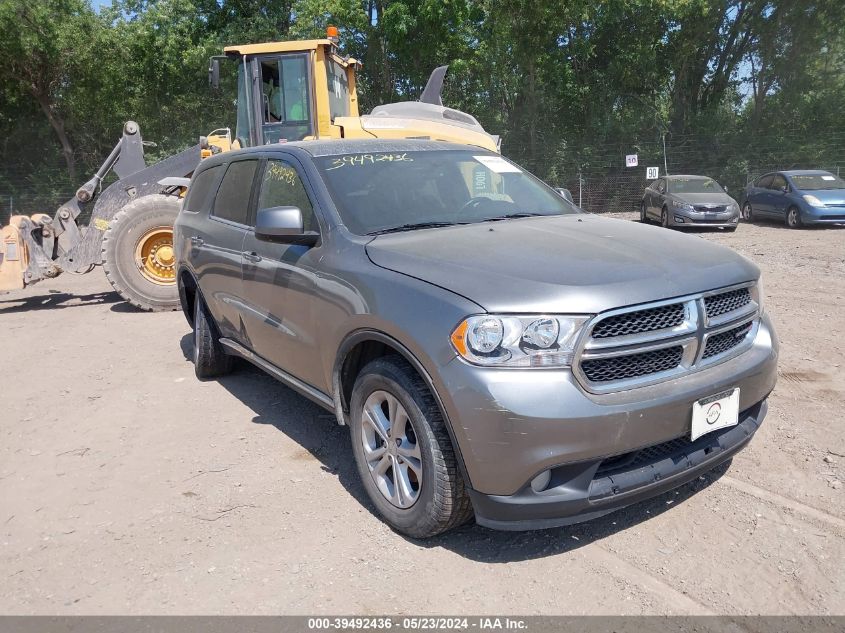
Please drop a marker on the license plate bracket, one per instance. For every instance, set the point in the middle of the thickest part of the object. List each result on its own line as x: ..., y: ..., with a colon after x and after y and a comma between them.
x: 719, y: 411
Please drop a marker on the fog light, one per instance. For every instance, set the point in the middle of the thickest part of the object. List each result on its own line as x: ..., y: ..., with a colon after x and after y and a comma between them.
x: 679, y: 219
x: 539, y: 483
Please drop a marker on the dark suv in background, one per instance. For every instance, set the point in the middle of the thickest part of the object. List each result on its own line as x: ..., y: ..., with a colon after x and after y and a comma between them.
x: 495, y: 352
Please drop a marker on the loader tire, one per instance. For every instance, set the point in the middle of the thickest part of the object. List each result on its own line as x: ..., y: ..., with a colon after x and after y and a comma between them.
x: 138, y: 253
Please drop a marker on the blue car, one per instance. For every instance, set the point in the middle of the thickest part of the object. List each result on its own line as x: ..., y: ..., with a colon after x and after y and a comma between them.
x: 798, y: 197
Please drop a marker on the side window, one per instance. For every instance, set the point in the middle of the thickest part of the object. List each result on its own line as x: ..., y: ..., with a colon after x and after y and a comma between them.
x: 661, y: 186
x: 764, y: 181
x: 199, y: 192
x: 338, y: 89
x: 778, y: 182
x: 281, y: 186
x: 232, y: 202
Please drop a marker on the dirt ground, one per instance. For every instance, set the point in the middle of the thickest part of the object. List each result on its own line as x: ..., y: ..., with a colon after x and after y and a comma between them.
x: 128, y: 487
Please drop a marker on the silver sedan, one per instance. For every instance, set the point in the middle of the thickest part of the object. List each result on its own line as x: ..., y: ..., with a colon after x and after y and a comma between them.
x: 694, y: 201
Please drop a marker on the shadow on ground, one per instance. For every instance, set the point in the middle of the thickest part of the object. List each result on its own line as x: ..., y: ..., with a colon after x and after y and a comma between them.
x: 316, y: 430
x: 55, y: 300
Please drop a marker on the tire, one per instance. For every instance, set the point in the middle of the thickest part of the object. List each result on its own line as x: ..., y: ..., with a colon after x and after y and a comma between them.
x: 142, y: 218
x: 643, y: 217
x: 210, y: 358
x: 747, y: 212
x: 793, y: 218
x: 440, y: 501
x: 664, y: 218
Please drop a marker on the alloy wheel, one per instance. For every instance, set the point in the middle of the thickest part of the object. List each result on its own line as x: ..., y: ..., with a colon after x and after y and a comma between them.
x: 391, y: 450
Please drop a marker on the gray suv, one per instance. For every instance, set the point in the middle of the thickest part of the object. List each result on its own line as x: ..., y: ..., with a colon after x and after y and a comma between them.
x: 495, y: 352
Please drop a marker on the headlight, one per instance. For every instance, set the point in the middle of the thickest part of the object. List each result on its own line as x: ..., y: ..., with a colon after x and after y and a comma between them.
x: 681, y: 205
x: 813, y: 201
x: 757, y: 294
x: 734, y: 207
x: 518, y: 341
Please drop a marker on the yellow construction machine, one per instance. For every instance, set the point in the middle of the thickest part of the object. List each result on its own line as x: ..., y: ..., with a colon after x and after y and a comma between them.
x: 286, y: 91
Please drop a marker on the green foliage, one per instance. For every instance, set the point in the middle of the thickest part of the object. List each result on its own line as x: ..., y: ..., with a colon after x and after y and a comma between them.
x: 570, y: 85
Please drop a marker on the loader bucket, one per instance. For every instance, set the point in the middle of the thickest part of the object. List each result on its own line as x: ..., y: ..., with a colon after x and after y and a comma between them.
x: 13, y: 256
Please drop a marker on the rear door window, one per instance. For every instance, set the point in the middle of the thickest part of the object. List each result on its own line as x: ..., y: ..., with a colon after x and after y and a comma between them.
x: 232, y: 201
x: 281, y: 186
x: 201, y: 189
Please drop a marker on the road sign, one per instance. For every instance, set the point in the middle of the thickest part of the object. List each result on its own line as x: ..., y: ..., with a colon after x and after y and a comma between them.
x: 652, y: 173
x: 631, y: 160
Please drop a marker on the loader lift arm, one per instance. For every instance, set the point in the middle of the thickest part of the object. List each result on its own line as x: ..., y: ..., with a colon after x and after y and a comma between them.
x: 39, y: 247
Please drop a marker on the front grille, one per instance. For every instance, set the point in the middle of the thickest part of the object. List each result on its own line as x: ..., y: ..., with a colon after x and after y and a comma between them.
x: 717, y: 209
x: 632, y: 365
x: 654, y: 342
x: 660, y: 318
x: 721, y: 343
x: 717, y: 305
x: 643, y: 456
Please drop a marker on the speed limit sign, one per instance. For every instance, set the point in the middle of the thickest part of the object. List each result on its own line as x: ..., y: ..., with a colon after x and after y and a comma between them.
x: 652, y: 173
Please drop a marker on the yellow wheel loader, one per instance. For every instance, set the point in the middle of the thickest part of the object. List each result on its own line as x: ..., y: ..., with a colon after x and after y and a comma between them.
x: 286, y: 91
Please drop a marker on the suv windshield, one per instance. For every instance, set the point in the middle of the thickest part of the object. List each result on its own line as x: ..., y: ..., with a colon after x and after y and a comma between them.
x: 816, y: 182
x: 694, y: 185
x: 385, y: 191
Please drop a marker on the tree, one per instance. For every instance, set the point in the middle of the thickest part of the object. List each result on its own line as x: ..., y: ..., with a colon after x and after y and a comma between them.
x: 45, y: 46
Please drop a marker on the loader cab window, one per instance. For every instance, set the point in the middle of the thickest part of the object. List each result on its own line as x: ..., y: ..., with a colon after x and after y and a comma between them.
x: 285, y: 98
x: 338, y: 84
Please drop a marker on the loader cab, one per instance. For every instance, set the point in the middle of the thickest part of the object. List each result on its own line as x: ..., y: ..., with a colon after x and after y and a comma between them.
x: 289, y: 91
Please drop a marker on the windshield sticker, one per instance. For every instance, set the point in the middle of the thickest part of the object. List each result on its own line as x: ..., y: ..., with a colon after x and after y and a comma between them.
x: 368, y: 159
x: 498, y: 164
x: 828, y: 178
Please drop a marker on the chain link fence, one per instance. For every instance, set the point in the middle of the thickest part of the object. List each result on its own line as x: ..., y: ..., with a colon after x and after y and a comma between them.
x: 597, y: 178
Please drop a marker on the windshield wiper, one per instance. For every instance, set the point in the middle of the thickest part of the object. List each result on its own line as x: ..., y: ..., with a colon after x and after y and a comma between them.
x: 413, y: 226
x: 513, y: 216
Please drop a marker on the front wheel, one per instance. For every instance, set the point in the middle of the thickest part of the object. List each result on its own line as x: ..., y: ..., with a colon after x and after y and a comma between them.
x: 403, y: 452
x: 138, y: 256
x: 793, y: 218
x: 747, y: 212
x: 664, y: 218
x: 643, y: 214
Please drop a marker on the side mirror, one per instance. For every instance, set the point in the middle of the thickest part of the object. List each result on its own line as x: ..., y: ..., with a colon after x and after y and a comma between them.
x: 565, y: 194
x: 214, y: 73
x: 725, y: 188
x: 785, y: 188
x: 283, y: 224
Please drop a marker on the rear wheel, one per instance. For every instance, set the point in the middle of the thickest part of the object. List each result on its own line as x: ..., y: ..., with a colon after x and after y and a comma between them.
x: 138, y: 256
x: 793, y: 218
x: 403, y: 452
x: 210, y: 359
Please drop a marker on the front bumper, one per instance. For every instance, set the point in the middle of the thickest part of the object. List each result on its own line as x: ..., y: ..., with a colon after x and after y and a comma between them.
x: 726, y: 219
x: 511, y: 425
x: 822, y: 215
x: 584, y: 491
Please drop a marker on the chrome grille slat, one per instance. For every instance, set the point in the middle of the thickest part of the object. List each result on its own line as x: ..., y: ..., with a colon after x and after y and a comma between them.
x: 717, y: 305
x: 723, y: 341
x: 644, y: 344
x: 632, y: 365
x: 639, y: 321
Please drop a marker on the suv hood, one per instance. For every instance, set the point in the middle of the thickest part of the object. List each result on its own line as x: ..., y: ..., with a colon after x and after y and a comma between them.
x: 562, y: 264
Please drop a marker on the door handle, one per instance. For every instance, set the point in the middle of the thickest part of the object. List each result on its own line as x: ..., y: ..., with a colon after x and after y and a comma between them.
x: 251, y: 256
x: 197, y: 241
